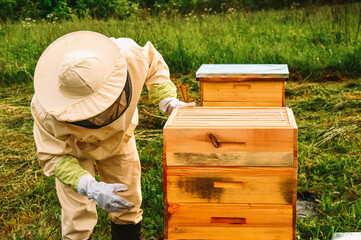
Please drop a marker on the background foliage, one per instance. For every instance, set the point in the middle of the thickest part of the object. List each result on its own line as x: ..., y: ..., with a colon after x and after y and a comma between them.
x: 316, y: 42
x: 120, y: 9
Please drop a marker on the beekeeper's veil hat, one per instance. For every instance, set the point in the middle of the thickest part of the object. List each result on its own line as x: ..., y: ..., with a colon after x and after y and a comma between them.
x: 79, y: 76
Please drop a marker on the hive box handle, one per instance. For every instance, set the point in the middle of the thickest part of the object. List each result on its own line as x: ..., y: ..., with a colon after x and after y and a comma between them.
x: 214, y: 140
x: 242, y: 85
x: 217, y: 143
x: 228, y: 220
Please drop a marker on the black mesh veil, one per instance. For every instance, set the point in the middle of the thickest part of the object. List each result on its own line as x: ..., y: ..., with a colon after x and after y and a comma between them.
x: 116, y: 108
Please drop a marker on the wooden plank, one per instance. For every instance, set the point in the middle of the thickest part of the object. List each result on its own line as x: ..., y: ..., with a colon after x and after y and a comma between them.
x: 240, y: 113
x: 202, y: 87
x: 283, y: 94
x: 295, y: 169
x: 275, y: 121
x: 224, y: 233
x: 229, y: 215
x: 171, y: 117
x: 231, y: 140
x: 259, y: 185
x: 281, y: 120
x: 256, y: 91
x: 223, y: 109
x: 227, y: 117
x: 165, y: 198
x: 291, y: 117
x: 245, y: 159
x: 265, y: 103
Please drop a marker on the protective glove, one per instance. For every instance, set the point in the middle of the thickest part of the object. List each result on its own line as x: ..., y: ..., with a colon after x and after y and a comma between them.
x: 103, y: 194
x: 168, y: 104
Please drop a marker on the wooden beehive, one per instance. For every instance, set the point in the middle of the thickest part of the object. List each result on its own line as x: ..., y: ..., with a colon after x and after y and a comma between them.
x: 242, y: 85
x: 230, y: 173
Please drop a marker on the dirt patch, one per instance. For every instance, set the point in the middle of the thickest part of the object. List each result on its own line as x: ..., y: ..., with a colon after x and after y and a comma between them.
x: 295, y: 74
x: 332, y: 77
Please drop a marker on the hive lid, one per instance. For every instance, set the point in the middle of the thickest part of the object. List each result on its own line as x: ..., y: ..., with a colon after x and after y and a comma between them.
x: 216, y: 117
x: 243, y: 71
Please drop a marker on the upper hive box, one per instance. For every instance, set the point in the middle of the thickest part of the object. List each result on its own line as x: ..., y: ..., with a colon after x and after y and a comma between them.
x: 212, y: 136
x: 242, y: 85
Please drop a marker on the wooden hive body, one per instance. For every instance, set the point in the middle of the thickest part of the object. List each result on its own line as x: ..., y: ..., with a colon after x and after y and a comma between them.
x: 242, y: 85
x: 230, y: 173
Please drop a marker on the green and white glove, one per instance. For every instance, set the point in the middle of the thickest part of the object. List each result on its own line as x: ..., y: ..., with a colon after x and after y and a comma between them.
x: 103, y: 194
x: 168, y: 104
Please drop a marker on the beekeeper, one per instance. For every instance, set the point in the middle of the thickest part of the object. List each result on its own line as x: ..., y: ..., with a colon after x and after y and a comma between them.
x: 87, y: 87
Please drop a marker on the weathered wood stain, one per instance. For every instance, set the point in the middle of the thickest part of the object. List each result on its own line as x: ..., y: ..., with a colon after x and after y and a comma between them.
x: 202, y: 187
x: 286, y: 189
x: 234, y: 159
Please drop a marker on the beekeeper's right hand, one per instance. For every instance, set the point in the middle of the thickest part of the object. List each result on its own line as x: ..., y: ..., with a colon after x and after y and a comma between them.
x: 168, y: 104
x: 69, y: 172
x: 103, y: 194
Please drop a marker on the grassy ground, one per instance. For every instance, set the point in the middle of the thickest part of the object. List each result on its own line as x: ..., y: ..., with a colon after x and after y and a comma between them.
x: 329, y: 120
x: 317, y: 44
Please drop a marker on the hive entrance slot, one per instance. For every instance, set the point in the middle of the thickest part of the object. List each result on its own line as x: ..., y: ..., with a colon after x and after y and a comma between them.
x: 228, y: 220
x: 229, y: 184
x: 239, y: 85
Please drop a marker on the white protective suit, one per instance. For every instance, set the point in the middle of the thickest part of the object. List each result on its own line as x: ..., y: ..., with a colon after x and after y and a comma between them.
x: 111, y: 147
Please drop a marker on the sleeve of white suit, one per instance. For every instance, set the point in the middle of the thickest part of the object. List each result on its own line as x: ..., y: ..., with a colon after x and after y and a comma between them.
x: 162, y: 91
x: 158, y: 78
x: 50, y: 150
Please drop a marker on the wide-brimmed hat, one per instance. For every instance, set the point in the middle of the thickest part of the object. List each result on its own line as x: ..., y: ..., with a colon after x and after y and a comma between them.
x: 79, y: 76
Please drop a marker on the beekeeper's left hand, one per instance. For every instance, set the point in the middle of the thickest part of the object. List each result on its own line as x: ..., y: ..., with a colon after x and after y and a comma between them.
x: 103, y: 194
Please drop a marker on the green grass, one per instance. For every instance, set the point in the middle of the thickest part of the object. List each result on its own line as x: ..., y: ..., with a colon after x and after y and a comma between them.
x: 311, y: 41
x: 329, y: 121
x: 328, y: 113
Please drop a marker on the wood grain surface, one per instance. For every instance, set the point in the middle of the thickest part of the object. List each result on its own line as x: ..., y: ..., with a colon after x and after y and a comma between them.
x: 231, y: 140
x: 230, y: 185
x: 241, y: 159
x: 236, y: 233
x: 228, y: 215
x: 246, y: 91
x: 241, y: 104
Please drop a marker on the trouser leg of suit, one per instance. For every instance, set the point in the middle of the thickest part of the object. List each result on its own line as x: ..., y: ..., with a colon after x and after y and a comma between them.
x: 78, y: 215
x: 124, y: 168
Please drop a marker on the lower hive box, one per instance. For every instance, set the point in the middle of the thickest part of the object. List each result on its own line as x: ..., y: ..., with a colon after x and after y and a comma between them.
x: 230, y: 173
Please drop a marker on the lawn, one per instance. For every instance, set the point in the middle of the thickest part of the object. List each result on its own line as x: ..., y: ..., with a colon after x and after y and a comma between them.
x: 324, y: 91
